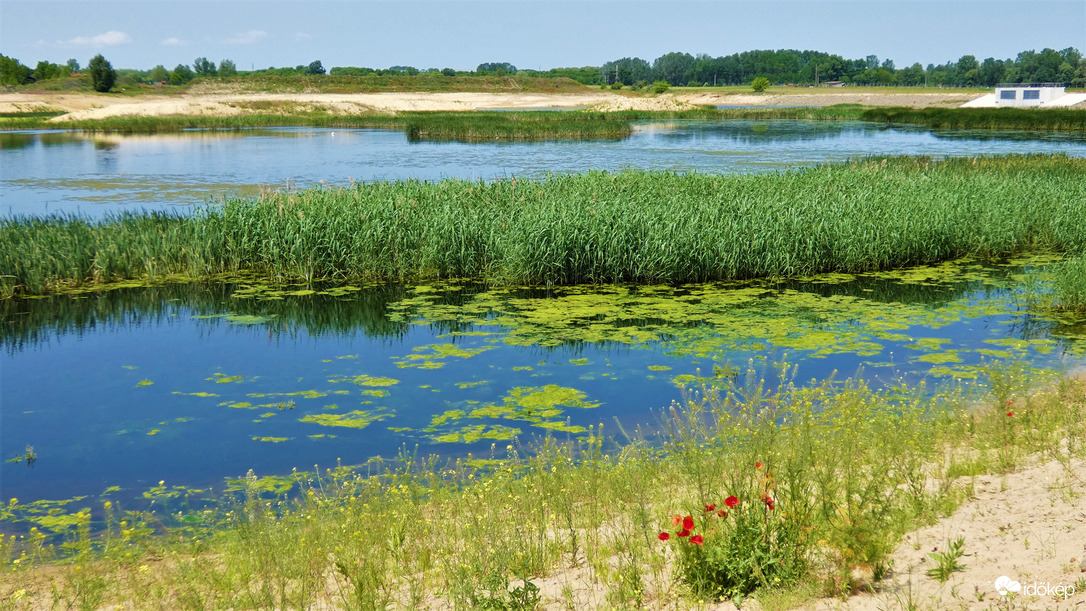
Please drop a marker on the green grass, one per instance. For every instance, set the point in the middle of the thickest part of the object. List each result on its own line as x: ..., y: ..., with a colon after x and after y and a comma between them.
x: 850, y: 470
x: 1048, y: 119
x: 1060, y: 288
x: 590, y: 228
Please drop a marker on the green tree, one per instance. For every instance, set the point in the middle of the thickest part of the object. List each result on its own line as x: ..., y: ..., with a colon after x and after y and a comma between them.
x: 102, y: 73
x: 760, y: 84
x: 314, y: 68
x: 12, y: 72
x: 181, y: 75
x: 202, y: 67
x: 73, y: 65
x: 227, y: 68
x: 159, y: 74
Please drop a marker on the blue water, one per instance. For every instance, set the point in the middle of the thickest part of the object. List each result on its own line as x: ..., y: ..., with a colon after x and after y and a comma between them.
x: 94, y: 174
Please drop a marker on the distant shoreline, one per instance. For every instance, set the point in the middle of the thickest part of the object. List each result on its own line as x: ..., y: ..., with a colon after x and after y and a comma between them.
x: 82, y: 106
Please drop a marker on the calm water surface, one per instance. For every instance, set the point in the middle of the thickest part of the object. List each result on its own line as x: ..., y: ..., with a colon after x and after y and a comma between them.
x: 192, y: 384
x: 92, y: 174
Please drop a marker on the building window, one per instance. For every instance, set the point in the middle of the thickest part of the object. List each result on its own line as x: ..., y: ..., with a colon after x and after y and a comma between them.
x: 1031, y: 94
x: 1008, y: 94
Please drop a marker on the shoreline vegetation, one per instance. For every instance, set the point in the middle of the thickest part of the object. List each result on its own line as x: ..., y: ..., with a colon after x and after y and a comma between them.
x: 536, y: 125
x: 819, y: 484
x: 596, y: 227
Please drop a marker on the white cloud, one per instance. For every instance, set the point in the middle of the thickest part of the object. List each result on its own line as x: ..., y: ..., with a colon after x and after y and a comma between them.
x: 111, y: 38
x: 173, y: 41
x: 300, y: 36
x: 247, y: 38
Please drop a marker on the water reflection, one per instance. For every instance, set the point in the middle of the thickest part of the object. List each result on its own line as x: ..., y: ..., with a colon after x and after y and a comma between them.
x: 193, y: 383
x: 95, y: 174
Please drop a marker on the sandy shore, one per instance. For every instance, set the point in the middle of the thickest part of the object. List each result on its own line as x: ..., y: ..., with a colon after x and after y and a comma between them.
x: 88, y: 106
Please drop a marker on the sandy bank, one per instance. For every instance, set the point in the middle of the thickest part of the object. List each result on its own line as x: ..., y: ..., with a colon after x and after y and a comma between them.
x: 91, y: 106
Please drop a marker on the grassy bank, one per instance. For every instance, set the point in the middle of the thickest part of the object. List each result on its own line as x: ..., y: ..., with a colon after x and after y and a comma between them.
x: 1048, y: 119
x: 596, y: 227
x: 784, y: 494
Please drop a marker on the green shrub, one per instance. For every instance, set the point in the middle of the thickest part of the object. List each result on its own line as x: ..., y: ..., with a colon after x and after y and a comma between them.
x: 660, y: 86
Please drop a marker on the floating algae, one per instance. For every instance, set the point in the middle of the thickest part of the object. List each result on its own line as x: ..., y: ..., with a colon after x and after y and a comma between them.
x: 357, y: 419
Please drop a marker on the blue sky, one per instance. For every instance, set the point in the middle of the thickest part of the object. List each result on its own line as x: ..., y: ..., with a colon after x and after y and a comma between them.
x: 529, y: 34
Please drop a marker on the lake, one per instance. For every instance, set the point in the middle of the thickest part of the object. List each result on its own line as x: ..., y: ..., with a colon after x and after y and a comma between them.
x: 94, y: 174
x: 192, y: 384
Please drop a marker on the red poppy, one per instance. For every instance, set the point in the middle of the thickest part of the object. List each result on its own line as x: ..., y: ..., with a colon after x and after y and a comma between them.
x: 688, y: 522
x: 676, y: 520
x: 683, y: 533
x: 769, y: 502
x: 664, y: 536
x: 731, y: 501
x: 757, y: 465
x: 1010, y: 402
x: 1010, y: 413
x: 722, y: 513
x: 697, y: 540
x: 710, y: 507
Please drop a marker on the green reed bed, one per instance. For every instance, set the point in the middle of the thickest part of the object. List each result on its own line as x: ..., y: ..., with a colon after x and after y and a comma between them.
x: 1060, y: 288
x: 786, y: 493
x: 1048, y: 119
x: 596, y: 227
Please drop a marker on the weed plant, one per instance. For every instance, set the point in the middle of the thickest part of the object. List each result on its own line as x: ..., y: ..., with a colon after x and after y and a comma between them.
x: 778, y: 487
x: 596, y: 227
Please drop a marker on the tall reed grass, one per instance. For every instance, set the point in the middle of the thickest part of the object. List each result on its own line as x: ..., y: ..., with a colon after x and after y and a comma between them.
x: 596, y: 227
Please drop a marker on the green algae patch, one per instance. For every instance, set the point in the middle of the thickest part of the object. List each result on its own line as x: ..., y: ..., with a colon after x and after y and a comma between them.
x: 376, y: 392
x: 580, y: 361
x: 465, y: 385
x: 241, y: 319
x: 305, y: 394
x: 928, y: 343
x: 365, y: 380
x: 478, y: 432
x: 357, y: 419
x: 222, y: 378
x: 273, y: 484
x: 195, y: 394
x: 144, y: 383
x: 659, y: 368
x: 432, y: 356
x: 271, y: 439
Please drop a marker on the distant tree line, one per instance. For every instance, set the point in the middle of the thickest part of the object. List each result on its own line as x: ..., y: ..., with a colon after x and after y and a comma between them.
x: 785, y: 66
x: 810, y: 67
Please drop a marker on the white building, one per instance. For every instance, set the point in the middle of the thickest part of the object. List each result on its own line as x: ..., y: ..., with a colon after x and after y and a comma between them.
x: 1026, y: 95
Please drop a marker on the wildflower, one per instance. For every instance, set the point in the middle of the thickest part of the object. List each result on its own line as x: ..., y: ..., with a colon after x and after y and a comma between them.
x: 731, y: 501
x: 697, y: 540
x: 769, y: 502
x: 1010, y: 402
x: 683, y: 533
x: 688, y: 522
x: 664, y: 536
x: 757, y: 465
x: 676, y: 520
x: 710, y: 507
x: 1010, y: 414
x: 722, y: 513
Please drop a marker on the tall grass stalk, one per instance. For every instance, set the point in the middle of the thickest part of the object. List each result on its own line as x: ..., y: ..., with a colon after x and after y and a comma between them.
x: 596, y: 227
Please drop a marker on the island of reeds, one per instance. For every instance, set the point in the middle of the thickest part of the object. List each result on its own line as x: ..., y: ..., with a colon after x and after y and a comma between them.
x: 595, y: 227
